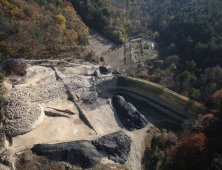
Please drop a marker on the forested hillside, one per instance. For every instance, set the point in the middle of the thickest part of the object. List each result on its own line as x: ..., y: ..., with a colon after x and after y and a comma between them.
x: 40, y: 29
x: 188, y: 34
x: 194, y: 26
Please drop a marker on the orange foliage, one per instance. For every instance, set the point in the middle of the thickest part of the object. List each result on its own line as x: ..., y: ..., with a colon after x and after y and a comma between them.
x: 190, y: 152
x: 217, y: 98
x: 113, y: 10
x: 5, y: 48
x: 209, y: 118
x: 36, y: 5
x: 197, y: 142
x: 172, y: 17
x: 75, y: 35
x: 163, y: 23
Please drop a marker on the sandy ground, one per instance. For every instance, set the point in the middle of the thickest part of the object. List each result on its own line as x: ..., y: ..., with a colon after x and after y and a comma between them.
x: 55, y: 128
x: 98, y: 43
x: 102, y: 114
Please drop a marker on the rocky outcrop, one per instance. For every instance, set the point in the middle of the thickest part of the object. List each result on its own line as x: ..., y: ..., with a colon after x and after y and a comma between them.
x: 115, y: 146
x: 79, y: 153
x: 129, y: 116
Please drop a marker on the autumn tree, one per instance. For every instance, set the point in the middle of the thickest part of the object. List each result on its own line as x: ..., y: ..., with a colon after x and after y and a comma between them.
x: 191, y: 153
x: 217, y: 99
x: 61, y: 20
x: 5, y: 49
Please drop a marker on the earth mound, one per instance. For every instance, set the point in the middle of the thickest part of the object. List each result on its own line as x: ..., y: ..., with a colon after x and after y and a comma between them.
x: 79, y: 153
x: 115, y: 146
x: 129, y: 116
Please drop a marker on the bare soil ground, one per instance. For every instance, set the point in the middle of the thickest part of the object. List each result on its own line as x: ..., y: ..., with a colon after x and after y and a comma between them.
x: 99, y: 43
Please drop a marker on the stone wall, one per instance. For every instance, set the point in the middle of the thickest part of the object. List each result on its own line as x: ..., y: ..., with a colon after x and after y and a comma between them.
x: 161, y: 102
x: 158, y: 107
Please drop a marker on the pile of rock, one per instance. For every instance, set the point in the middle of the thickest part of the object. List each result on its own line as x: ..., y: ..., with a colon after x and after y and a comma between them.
x: 86, y: 154
x: 129, y: 116
x: 115, y: 146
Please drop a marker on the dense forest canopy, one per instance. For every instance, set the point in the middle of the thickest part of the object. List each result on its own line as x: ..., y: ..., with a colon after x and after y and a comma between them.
x: 194, y: 26
x: 188, y: 33
x: 40, y: 29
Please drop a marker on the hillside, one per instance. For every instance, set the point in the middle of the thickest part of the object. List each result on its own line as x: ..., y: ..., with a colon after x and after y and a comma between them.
x: 141, y: 91
x: 41, y: 29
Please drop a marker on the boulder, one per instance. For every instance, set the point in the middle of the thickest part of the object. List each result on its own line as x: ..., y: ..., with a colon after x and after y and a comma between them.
x: 78, y: 153
x: 129, y: 116
x: 115, y: 146
x: 104, y: 70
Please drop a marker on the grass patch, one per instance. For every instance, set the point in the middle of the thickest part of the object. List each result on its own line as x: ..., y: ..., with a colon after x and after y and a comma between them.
x: 161, y: 93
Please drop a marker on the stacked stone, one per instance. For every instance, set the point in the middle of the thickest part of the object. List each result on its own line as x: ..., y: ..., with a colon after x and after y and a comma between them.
x: 49, y: 93
x: 24, y: 124
x: 18, y: 103
x: 76, y: 82
x: 89, y: 95
x: 20, y: 113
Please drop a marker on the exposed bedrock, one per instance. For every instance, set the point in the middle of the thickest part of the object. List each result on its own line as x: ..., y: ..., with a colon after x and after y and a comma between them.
x: 115, y: 146
x: 79, y: 153
x: 129, y: 116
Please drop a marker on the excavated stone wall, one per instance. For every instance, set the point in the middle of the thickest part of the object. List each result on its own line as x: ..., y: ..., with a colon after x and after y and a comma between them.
x: 24, y: 110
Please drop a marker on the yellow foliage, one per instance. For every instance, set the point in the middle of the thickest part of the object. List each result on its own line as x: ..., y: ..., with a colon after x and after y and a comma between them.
x: 7, y: 4
x: 14, y: 10
x: 35, y: 18
x: 111, y: 21
x: 118, y: 18
x: 61, y: 20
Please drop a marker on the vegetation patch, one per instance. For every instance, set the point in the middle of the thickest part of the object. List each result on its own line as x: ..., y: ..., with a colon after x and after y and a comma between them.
x: 161, y: 93
x: 27, y: 160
